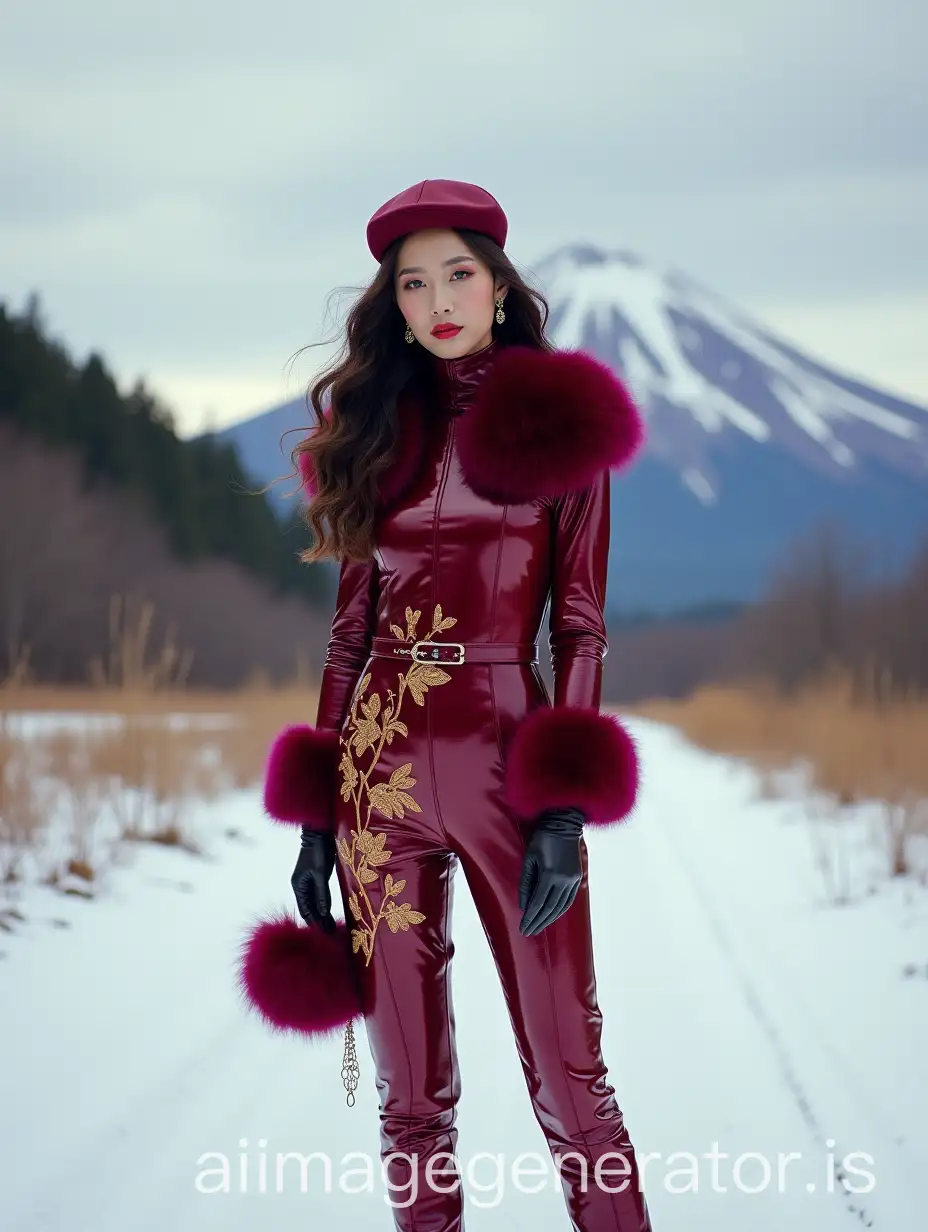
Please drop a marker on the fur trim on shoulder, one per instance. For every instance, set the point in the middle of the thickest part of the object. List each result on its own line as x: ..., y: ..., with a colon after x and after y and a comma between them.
x: 299, y: 782
x: 542, y: 423
x: 307, y: 475
x: 307, y: 467
x: 571, y: 756
x: 546, y: 423
x: 410, y: 447
x: 404, y: 466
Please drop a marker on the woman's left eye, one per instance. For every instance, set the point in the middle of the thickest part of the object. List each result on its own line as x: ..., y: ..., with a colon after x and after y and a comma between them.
x: 466, y: 273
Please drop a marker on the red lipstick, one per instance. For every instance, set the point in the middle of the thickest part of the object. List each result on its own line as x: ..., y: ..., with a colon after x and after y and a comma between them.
x: 446, y: 331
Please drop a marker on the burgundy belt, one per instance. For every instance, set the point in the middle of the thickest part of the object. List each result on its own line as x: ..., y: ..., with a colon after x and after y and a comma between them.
x: 454, y: 654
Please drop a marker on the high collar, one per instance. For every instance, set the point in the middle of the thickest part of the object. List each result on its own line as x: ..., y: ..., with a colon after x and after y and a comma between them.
x: 457, y: 380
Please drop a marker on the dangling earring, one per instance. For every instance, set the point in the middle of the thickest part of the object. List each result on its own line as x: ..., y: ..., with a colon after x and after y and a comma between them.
x: 500, y: 315
x: 409, y: 335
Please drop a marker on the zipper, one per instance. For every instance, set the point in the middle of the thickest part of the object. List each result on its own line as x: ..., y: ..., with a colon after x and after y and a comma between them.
x: 449, y: 445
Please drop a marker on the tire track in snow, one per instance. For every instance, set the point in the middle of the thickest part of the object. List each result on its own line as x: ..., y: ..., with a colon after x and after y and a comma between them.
x: 132, y: 1141
x: 862, y: 1208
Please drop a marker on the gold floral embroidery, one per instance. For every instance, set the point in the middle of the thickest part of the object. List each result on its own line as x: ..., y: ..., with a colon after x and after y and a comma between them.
x: 376, y: 726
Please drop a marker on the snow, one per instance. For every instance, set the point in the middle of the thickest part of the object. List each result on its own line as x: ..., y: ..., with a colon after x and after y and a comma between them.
x: 699, y: 485
x: 659, y: 345
x: 742, y: 1012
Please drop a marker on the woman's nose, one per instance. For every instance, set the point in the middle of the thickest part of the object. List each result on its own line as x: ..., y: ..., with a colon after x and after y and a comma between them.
x: 442, y: 302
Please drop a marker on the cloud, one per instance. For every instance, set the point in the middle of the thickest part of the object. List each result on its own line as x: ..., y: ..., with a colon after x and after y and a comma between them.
x: 183, y: 182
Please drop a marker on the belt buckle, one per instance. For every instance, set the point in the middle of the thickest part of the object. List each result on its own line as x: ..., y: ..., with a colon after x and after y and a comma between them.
x: 434, y: 657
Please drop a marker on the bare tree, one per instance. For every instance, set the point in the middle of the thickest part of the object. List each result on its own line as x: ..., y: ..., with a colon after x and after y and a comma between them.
x: 50, y: 563
x: 65, y: 552
x: 803, y: 628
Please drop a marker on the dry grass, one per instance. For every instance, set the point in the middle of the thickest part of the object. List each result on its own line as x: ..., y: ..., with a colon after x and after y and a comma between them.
x: 134, y: 770
x: 854, y: 751
x: 26, y: 798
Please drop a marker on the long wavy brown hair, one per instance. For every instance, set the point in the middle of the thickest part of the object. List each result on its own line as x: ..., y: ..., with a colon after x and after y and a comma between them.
x: 352, y: 442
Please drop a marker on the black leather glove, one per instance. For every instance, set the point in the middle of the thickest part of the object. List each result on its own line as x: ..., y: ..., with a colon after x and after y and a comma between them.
x: 551, y: 870
x: 311, y: 876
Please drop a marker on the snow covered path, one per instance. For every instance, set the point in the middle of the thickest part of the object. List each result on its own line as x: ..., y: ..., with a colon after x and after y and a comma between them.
x: 742, y: 1015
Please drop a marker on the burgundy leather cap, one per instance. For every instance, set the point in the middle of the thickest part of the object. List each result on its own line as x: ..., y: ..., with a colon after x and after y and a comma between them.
x: 436, y: 203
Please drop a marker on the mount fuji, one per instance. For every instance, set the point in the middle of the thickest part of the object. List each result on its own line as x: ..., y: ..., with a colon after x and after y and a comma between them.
x: 751, y: 442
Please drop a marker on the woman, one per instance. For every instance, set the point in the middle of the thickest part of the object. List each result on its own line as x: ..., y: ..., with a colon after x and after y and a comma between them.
x: 464, y: 468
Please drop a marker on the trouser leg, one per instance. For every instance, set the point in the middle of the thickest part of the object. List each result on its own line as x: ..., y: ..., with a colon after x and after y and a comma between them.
x: 404, y: 965
x: 550, y: 989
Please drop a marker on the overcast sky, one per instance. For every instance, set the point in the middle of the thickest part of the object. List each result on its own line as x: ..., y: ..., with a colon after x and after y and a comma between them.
x: 184, y: 183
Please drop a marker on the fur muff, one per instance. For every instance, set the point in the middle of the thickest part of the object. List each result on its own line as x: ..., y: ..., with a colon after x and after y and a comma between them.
x: 299, y: 781
x: 546, y: 423
x: 299, y: 978
x: 572, y: 755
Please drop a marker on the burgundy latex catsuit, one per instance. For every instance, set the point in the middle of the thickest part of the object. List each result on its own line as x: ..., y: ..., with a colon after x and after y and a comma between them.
x: 430, y: 739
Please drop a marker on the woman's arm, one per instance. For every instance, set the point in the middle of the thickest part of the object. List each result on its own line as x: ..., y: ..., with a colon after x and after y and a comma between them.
x: 353, y: 628
x: 299, y: 785
x: 577, y: 626
x: 570, y: 754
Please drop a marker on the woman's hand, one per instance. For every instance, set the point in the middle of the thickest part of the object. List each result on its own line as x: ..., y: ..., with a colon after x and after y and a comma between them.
x: 551, y: 871
x: 310, y: 880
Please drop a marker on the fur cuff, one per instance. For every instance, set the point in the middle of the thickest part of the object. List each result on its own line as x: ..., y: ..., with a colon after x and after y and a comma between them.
x: 299, y: 978
x: 299, y: 783
x: 572, y: 755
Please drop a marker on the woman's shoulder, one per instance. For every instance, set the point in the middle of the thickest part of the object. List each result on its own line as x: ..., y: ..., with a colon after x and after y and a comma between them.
x: 547, y: 422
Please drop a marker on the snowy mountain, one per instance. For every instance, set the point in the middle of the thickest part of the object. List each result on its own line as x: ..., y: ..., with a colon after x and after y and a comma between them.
x: 751, y: 441
x: 706, y: 373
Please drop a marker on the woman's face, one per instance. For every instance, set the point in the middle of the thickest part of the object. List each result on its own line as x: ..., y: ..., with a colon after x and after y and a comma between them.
x: 439, y: 281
